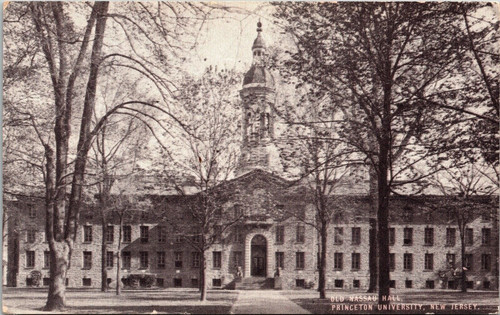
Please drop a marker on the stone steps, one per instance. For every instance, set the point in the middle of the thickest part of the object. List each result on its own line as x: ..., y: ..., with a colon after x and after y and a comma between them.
x: 255, y: 283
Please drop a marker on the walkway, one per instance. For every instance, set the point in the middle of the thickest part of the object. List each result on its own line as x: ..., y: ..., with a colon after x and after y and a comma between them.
x: 265, y: 302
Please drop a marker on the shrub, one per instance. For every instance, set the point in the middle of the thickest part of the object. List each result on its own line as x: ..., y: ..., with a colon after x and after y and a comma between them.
x: 36, y: 277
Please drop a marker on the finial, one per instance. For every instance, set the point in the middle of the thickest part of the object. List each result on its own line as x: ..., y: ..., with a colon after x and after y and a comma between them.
x: 259, y: 26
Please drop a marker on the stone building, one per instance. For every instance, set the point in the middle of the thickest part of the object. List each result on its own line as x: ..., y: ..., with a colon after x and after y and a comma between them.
x: 272, y: 238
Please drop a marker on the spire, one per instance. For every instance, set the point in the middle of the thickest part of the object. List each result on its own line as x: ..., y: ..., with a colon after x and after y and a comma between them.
x: 258, y: 47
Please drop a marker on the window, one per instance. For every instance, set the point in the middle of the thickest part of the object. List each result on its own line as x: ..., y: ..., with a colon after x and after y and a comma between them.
x: 196, y: 238
x: 408, y: 284
x: 160, y: 260
x: 144, y: 234
x: 162, y: 235
x: 338, y: 261
x: 429, y: 216
x: 194, y: 283
x: 195, y: 259
x: 429, y: 261
x: 450, y: 215
x: 408, y: 236
x: 31, y: 236
x: 217, y: 233
x: 109, y: 259
x: 144, y: 215
x: 280, y: 234
x: 300, y: 283
x: 144, y: 260
x: 485, y: 262
x: 177, y: 282
x: 178, y: 259
x: 392, y: 284
x: 217, y: 258
x: 126, y: 260
x: 469, y: 261
x: 46, y: 282
x: 218, y: 213
x: 127, y: 234
x: 30, y: 259
x: 485, y: 236
x: 450, y: 259
x: 216, y: 282
x: 87, y: 234
x: 407, y: 214
x: 486, y: 284
x: 339, y: 283
x: 87, y: 282
x: 469, y: 237
x: 337, y: 235
x: 408, y: 261
x: 159, y: 282
x: 87, y: 260
x: 429, y: 236
x: 299, y: 260
x: 355, y: 261
x: 429, y: 284
x: 280, y: 260
x: 450, y: 237
x: 110, y: 233
x: 485, y: 217
x: 355, y: 284
x: 356, y: 236
x: 238, y: 211
x: 46, y: 259
x: 392, y: 261
x: 32, y: 211
x: 300, y: 233
x: 238, y: 259
x: 392, y: 236
x: 238, y: 237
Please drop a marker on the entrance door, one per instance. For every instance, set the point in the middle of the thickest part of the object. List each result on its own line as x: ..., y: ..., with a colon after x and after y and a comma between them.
x: 259, y: 256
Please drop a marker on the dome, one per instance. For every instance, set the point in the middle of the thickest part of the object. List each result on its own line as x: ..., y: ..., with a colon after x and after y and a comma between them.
x: 258, y: 42
x: 259, y: 74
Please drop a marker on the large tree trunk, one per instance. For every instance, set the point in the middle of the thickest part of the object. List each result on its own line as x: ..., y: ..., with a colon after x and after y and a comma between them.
x: 60, y: 255
x: 463, y: 283
x: 372, y: 256
x: 104, y: 249
x: 322, y: 266
x: 383, y: 195
x: 118, y: 257
x: 203, y: 275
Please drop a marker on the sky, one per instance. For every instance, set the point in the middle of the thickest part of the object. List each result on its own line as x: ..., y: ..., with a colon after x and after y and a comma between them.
x: 226, y: 42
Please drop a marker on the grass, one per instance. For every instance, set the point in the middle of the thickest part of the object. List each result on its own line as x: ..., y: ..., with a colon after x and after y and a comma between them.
x: 89, y: 301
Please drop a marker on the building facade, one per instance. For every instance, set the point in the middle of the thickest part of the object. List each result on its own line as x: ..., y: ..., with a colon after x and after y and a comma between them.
x: 272, y: 246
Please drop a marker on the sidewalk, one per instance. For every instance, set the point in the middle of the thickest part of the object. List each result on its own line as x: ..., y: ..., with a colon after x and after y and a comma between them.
x: 265, y: 302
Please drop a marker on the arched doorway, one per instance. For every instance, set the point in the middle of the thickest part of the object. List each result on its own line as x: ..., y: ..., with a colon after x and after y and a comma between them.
x: 258, y: 256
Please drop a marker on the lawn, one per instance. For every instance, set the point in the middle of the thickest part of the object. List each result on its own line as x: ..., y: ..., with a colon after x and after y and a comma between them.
x: 406, y: 301
x: 87, y: 301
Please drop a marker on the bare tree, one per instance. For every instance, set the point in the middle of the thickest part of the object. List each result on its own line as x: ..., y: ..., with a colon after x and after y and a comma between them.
x: 209, y: 161
x: 468, y: 194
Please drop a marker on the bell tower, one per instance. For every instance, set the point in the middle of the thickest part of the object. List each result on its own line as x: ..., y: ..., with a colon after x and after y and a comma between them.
x: 258, y: 96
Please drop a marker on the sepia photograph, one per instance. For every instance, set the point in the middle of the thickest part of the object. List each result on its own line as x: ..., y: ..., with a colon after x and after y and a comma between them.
x: 289, y: 157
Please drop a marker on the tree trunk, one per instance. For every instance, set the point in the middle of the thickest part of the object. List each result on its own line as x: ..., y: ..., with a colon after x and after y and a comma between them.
x: 463, y: 271
x: 60, y: 255
x: 372, y: 256
x: 203, y: 282
x: 322, y: 266
x: 104, y: 248
x: 383, y: 196
x: 118, y: 257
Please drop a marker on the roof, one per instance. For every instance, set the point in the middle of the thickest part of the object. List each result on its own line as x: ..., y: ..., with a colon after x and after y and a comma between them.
x: 259, y: 74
